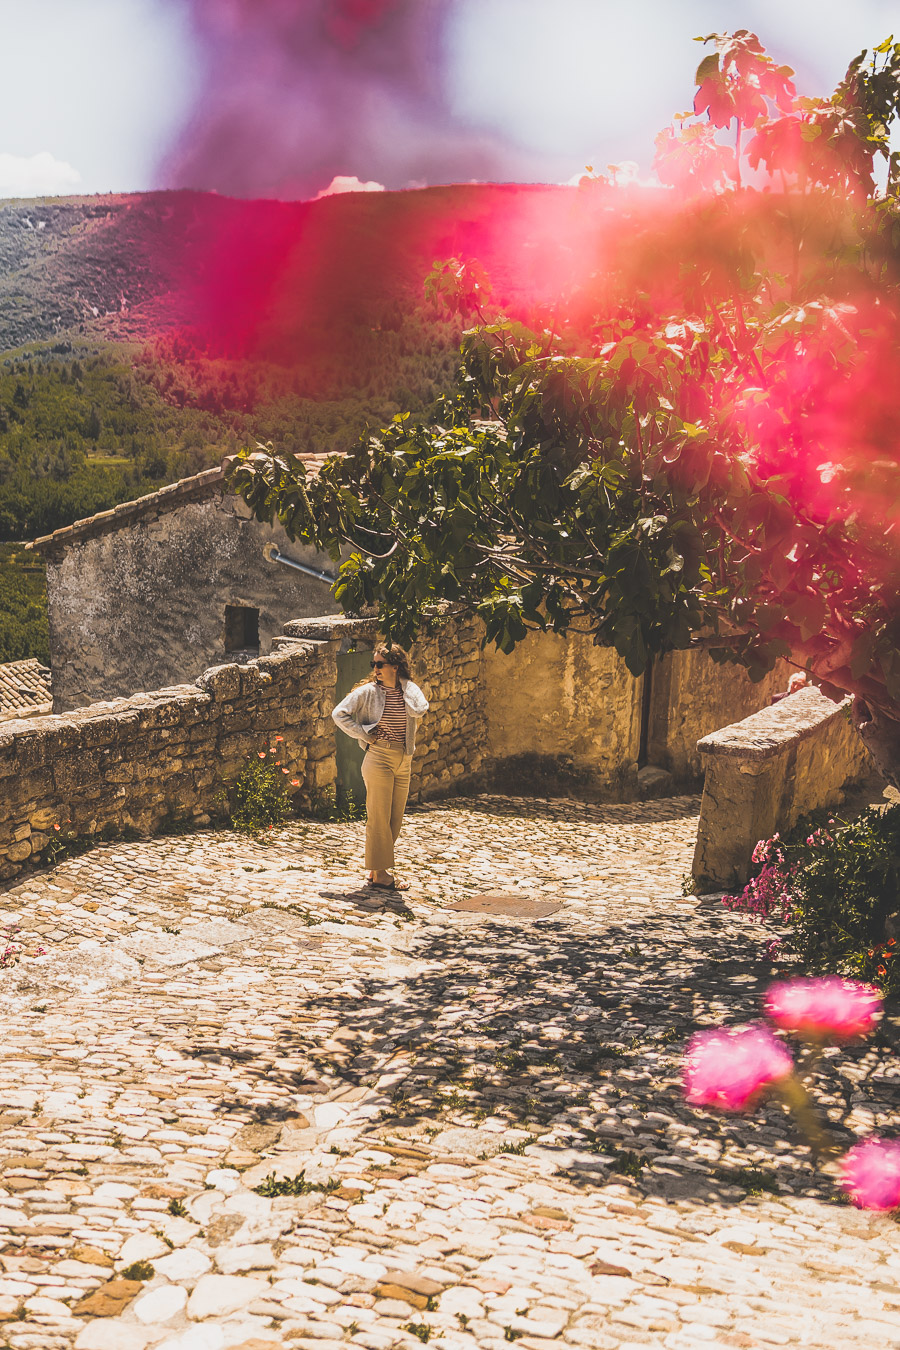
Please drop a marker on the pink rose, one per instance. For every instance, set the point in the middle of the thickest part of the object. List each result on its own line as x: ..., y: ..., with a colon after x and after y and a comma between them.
x: 727, y: 1069
x: 824, y: 1009
x: 872, y: 1174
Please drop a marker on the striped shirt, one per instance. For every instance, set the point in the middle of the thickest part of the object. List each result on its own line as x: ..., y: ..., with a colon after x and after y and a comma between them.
x: 392, y: 725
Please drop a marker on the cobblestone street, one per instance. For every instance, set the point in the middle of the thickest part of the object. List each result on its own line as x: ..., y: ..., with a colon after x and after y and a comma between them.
x: 246, y: 1102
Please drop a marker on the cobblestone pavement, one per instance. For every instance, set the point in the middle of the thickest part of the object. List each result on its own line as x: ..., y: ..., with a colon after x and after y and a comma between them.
x: 471, y: 1123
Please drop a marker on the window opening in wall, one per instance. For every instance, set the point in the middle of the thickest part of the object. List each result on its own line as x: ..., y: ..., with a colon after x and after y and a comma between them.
x: 241, y: 630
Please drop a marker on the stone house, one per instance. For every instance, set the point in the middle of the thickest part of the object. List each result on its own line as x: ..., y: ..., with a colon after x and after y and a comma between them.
x: 157, y: 590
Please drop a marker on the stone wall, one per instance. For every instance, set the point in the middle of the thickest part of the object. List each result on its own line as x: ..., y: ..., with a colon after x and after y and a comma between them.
x: 143, y: 606
x: 136, y: 761
x: 767, y: 771
x: 691, y: 696
x: 565, y: 698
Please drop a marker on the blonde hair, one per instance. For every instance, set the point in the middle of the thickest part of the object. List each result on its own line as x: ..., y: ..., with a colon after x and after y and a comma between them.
x: 395, y: 656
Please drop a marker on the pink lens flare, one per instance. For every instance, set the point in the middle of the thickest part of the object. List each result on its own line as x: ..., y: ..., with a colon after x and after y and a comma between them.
x: 824, y: 1009
x: 729, y: 1068
x: 872, y: 1174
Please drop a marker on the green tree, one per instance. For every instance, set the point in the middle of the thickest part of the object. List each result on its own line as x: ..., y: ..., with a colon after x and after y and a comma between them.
x: 700, y: 438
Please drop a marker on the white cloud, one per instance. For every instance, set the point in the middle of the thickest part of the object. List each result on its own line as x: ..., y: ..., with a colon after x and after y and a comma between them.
x: 342, y: 184
x: 41, y: 175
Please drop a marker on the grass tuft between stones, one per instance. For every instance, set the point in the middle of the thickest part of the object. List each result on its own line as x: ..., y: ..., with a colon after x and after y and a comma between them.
x: 274, y: 1186
x: 138, y: 1270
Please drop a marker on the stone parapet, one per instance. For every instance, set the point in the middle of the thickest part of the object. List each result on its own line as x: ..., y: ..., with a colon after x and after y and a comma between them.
x: 765, y: 772
x: 134, y: 762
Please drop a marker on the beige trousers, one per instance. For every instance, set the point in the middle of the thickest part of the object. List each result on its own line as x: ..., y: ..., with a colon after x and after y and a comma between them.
x: 385, y: 771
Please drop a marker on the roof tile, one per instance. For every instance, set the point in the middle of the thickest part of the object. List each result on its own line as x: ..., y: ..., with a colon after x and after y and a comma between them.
x: 165, y: 499
x: 24, y: 689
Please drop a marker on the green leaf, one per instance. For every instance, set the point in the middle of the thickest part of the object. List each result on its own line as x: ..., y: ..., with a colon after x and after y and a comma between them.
x: 808, y: 612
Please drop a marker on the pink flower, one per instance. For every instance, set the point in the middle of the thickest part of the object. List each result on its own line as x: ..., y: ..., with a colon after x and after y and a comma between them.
x: 729, y: 1068
x: 824, y: 1009
x: 872, y: 1174
x: 261, y: 753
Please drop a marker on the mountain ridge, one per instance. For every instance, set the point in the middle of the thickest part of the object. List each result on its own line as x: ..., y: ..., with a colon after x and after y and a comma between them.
x: 252, y: 277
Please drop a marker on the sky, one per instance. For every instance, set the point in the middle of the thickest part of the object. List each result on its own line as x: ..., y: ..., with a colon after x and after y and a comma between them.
x: 280, y: 97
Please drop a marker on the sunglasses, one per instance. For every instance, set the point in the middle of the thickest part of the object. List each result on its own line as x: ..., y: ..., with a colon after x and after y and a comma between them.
x: 376, y: 665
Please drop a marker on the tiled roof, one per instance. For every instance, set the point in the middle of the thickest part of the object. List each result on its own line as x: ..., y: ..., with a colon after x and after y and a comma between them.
x: 151, y: 507
x: 25, y: 689
x: 154, y: 504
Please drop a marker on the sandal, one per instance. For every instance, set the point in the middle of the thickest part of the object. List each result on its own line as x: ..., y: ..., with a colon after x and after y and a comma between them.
x: 388, y: 885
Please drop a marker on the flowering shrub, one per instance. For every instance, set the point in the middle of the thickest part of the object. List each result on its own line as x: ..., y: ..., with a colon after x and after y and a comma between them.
x: 10, y: 950
x: 258, y: 800
x: 729, y: 1069
x: 732, y: 1068
x: 837, y: 889
x: 871, y: 1174
x: 768, y: 895
x: 824, y: 1010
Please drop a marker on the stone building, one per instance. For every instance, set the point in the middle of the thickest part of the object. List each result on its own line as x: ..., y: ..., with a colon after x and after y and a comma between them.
x: 154, y: 592
x: 157, y: 590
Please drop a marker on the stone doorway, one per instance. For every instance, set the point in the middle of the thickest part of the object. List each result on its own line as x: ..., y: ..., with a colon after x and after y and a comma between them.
x: 351, y: 668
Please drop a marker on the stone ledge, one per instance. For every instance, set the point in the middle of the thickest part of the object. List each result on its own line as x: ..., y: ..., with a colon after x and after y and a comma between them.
x: 772, y: 730
x: 327, y: 627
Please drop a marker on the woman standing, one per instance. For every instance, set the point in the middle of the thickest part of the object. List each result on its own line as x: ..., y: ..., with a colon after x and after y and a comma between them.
x: 382, y: 714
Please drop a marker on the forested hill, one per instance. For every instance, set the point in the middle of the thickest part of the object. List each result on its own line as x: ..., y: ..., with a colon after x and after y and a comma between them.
x: 141, y: 337
x: 254, y: 277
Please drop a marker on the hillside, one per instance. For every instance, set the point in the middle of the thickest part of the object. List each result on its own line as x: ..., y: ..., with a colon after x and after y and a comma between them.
x: 143, y: 336
x: 256, y: 278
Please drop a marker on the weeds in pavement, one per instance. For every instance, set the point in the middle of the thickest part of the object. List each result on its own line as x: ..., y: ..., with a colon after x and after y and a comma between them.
x: 274, y: 1186
x: 753, y: 1180
x: 521, y: 1146
x: 339, y: 805
x: 138, y: 1270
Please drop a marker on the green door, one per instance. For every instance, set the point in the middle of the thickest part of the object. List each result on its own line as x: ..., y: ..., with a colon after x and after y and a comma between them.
x: 351, y: 668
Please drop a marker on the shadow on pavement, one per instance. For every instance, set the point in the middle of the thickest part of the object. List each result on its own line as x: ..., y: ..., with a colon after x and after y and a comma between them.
x: 573, y: 1039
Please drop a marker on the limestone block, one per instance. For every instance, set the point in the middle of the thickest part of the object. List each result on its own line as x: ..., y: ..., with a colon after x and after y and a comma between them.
x: 253, y: 680
x: 44, y: 816
x: 322, y: 774
x: 19, y: 852
x: 8, y: 764
x: 21, y: 832
x: 74, y: 772
x: 39, y: 842
x: 221, y: 682
x: 766, y: 771
x: 119, y: 773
